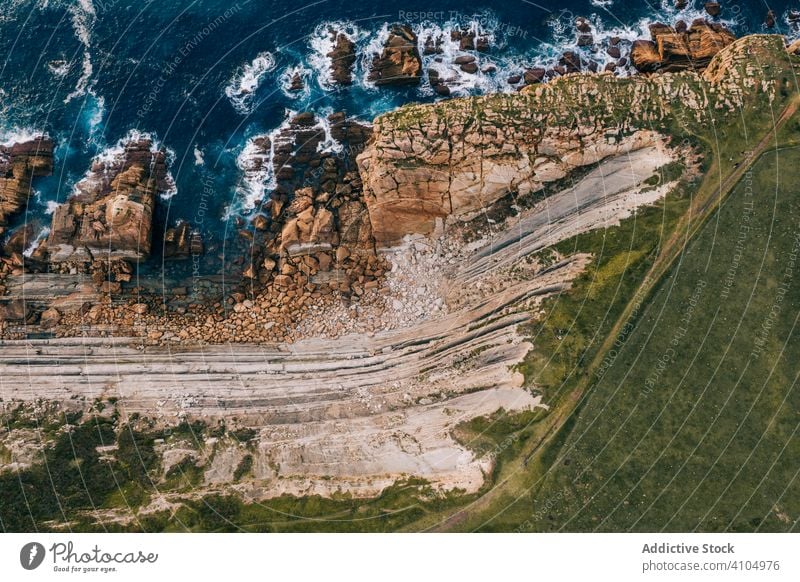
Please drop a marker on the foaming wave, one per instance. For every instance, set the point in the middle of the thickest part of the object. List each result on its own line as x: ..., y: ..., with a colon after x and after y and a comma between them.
x: 112, y: 157
x: 245, y: 82
x: 374, y: 46
x: 9, y: 137
x: 43, y: 234
x: 564, y: 35
x: 83, y: 20
x: 328, y: 143
x: 321, y: 44
x: 491, y: 70
x: 288, y: 75
x: 258, y: 172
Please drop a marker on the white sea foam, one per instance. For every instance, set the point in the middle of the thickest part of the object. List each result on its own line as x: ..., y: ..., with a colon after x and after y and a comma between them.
x: 328, y: 144
x: 43, y: 234
x: 321, y: 44
x: 492, y: 71
x: 285, y: 81
x: 242, y: 87
x: 199, y: 158
x: 58, y: 69
x: 258, y: 172
x: 111, y: 157
x: 83, y: 20
x: 9, y: 137
x: 51, y: 207
x: 374, y: 46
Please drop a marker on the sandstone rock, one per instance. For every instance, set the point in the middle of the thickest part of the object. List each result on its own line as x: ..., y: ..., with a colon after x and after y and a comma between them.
x: 645, y: 56
x: 399, y: 62
x: 15, y: 310
x: 534, y: 75
x: 181, y: 242
x: 769, y: 21
x: 672, y: 49
x: 20, y: 163
x: 297, y: 83
x: 110, y: 211
x: 571, y: 61
x: 261, y: 222
x: 50, y: 318
x: 432, y: 46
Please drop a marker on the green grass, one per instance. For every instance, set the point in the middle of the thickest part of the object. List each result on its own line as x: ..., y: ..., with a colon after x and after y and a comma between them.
x: 693, y: 425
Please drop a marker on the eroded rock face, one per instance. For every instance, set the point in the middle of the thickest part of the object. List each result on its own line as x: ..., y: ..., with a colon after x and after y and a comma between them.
x: 109, y: 214
x: 342, y: 56
x: 399, y: 62
x: 428, y: 163
x: 677, y: 48
x: 19, y: 164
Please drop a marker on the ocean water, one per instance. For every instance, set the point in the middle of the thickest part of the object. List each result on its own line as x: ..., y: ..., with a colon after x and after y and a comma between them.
x: 203, y: 76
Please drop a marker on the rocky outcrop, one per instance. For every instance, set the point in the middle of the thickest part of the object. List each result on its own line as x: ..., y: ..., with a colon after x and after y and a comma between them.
x: 343, y: 58
x: 399, y: 62
x: 182, y: 242
x: 674, y: 49
x: 20, y: 163
x: 453, y: 159
x: 314, y: 230
x: 109, y: 214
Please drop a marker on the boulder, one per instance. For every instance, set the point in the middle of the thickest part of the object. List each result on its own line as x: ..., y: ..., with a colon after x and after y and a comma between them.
x: 50, y: 318
x: 713, y: 9
x: 399, y: 62
x: 109, y: 214
x: 534, y: 75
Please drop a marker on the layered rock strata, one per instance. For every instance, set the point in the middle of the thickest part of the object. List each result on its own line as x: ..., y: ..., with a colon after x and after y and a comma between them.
x: 678, y: 48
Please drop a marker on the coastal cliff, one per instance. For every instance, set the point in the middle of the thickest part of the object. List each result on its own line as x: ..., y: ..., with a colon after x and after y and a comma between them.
x: 451, y: 159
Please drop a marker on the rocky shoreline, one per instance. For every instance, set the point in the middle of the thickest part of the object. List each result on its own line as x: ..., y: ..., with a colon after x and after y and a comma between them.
x: 343, y: 193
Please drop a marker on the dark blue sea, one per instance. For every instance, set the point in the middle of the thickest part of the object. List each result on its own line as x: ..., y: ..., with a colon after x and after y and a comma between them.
x: 202, y: 76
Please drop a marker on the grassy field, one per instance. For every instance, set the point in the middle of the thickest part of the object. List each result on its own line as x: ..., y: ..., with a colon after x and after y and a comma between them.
x: 692, y: 423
